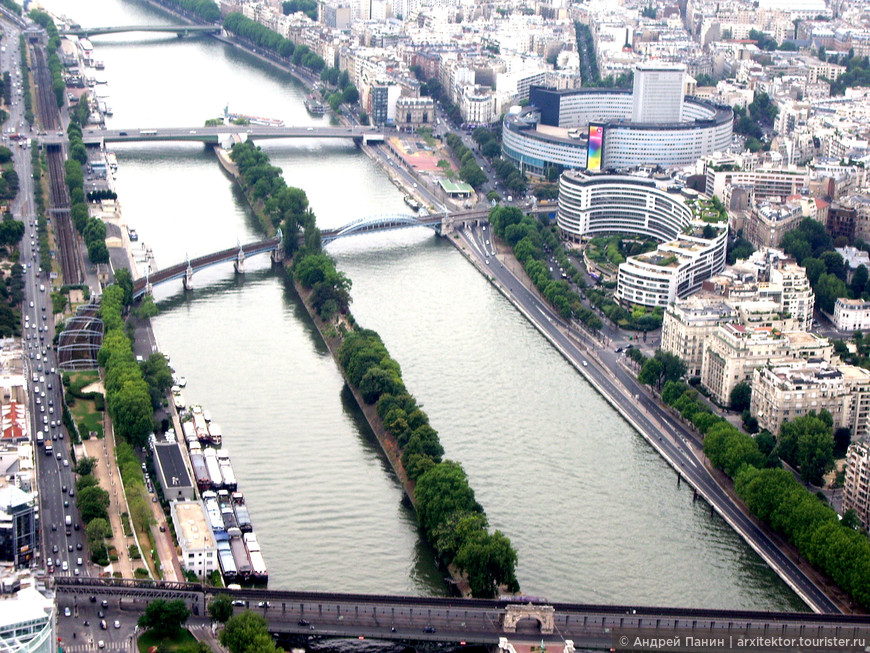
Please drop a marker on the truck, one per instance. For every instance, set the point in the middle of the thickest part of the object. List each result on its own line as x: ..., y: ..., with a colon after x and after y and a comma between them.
x: 40, y: 438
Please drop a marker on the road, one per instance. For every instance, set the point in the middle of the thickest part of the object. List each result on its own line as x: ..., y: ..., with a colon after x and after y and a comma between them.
x: 667, y: 435
x: 62, y: 546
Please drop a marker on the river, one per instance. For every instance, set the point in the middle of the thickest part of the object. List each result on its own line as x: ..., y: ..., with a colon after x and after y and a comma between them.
x: 594, y: 513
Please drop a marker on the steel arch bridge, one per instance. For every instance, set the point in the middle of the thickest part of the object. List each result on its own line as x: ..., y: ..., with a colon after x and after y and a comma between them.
x: 382, y: 222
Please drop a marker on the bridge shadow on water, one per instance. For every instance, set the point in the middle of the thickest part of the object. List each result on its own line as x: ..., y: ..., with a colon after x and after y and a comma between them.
x: 176, y: 297
x: 346, y: 645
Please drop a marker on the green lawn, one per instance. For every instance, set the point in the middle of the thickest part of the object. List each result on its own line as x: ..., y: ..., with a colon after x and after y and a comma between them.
x: 84, y: 411
x: 182, y: 639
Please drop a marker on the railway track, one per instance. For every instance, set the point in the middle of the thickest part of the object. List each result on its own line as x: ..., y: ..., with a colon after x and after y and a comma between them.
x: 67, y: 239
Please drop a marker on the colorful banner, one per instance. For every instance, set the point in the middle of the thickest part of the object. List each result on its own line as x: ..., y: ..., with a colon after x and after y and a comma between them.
x: 596, y: 147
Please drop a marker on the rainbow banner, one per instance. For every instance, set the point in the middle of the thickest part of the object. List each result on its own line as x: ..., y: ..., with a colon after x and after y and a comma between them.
x: 596, y: 146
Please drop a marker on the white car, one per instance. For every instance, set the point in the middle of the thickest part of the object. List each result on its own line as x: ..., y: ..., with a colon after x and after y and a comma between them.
x: 64, y: 566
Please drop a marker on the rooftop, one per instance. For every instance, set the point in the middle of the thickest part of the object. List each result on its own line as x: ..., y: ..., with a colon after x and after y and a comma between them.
x: 191, y: 525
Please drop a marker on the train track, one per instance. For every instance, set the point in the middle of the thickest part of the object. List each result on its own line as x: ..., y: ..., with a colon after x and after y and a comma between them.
x: 67, y: 239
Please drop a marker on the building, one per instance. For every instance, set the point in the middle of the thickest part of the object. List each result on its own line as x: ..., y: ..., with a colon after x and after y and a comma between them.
x: 688, y: 323
x: 790, y: 390
x: 851, y: 314
x: 172, y: 473
x: 553, y: 130
x: 197, y: 543
x: 733, y: 352
x: 856, y: 490
x: 413, y: 113
x: 19, y: 537
x: 27, y: 618
x: 692, y: 250
x: 657, y: 93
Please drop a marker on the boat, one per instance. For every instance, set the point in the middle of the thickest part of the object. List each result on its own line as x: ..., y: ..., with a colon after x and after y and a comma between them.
x: 215, y: 435
x: 228, y: 515
x: 228, y: 563
x: 254, y: 120
x: 259, y: 573
x: 240, y: 554
x: 99, y: 64
x: 213, y: 510
x: 414, y: 204
x: 243, y: 517
x: 200, y: 471
x: 227, y: 473
x: 315, y: 107
x: 214, y: 470
x: 112, y: 162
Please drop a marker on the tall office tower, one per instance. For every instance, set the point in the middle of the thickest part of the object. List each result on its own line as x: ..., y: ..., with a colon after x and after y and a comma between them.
x: 658, y: 92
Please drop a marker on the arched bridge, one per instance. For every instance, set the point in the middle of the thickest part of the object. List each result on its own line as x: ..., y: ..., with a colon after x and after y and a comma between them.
x: 185, y: 270
x: 382, y: 223
x: 181, y: 30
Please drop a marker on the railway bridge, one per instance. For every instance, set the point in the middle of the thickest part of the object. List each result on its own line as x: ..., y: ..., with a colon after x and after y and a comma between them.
x: 483, y: 621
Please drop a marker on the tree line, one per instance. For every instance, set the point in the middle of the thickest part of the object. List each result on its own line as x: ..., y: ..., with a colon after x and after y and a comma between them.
x: 812, y: 248
x: 206, y: 10
x: 267, y: 39
x: 509, y: 174
x: 433, y: 88
x: 773, y: 494
x: 93, y: 230
x: 469, y: 171
x: 25, y: 80
x: 454, y: 522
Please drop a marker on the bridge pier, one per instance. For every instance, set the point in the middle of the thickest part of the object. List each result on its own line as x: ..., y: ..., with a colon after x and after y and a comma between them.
x: 239, y: 263
x: 188, y: 277
x: 277, y: 256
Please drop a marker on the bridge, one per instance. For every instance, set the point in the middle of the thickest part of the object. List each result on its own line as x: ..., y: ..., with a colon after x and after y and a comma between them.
x: 217, y: 134
x: 440, y: 223
x: 482, y: 621
x: 181, y: 30
x: 184, y: 271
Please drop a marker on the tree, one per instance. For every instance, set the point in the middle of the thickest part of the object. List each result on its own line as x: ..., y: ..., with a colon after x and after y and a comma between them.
x: 859, y: 281
x: 247, y: 633
x: 124, y: 279
x: 164, y: 617
x: 808, y: 443
x: 93, y: 503
x: 741, y: 397
x: 220, y: 609
x: 440, y: 492
x: 488, y: 561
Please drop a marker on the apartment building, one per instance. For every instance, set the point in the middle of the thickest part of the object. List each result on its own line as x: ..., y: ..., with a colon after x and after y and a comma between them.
x: 687, y: 324
x: 856, y: 490
x: 734, y: 351
x: 197, y: 543
x: 790, y: 390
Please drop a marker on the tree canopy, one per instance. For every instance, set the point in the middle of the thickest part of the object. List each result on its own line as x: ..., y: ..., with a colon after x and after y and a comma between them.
x: 164, y: 617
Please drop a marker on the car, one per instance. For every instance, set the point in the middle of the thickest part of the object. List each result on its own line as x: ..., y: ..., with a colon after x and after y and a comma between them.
x: 79, y: 562
x: 76, y: 526
x: 68, y: 532
x: 104, y: 603
x: 93, y: 599
x: 79, y: 548
x: 54, y: 527
x: 122, y: 133
x: 54, y: 549
x: 64, y: 566
x: 65, y: 462
x: 100, y: 614
x: 162, y: 528
x: 304, y: 622
x: 101, y: 643
x: 240, y: 603
x: 429, y: 629
x: 103, y: 625
x: 76, y: 572
x: 72, y: 491
x: 192, y: 131
x: 57, y: 562
x: 117, y: 624
x: 69, y: 547
x: 67, y: 612
x: 59, y: 455
x: 263, y: 604
x: 311, y: 129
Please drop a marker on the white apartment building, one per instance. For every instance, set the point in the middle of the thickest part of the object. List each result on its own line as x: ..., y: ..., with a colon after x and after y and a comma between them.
x: 733, y: 352
x: 790, y: 390
x: 197, y: 543
x: 852, y: 314
x: 856, y: 490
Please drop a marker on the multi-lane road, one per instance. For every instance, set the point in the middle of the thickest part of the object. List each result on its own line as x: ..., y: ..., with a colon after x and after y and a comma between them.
x: 667, y: 435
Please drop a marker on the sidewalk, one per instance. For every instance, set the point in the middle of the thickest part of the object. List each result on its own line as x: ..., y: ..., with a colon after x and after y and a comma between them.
x: 103, y: 451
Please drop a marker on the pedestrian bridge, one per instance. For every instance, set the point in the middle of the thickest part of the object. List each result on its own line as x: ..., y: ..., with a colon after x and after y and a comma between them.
x: 217, y: 134
x: 484, y: 621
x: 181, y: 30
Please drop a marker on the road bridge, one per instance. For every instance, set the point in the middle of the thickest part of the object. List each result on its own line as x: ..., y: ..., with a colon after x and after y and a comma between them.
x: 217, y: 134
x: 181, y: 30
x: 481, y: 621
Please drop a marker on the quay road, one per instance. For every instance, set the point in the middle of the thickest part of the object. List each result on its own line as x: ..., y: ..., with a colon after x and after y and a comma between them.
x: 666, y: 434
x: 439, y: 619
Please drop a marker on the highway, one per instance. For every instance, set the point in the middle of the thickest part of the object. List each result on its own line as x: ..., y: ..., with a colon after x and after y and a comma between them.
x: 666, y: 434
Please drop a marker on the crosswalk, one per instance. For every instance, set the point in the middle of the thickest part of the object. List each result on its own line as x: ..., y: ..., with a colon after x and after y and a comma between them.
x: 124, y: 646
